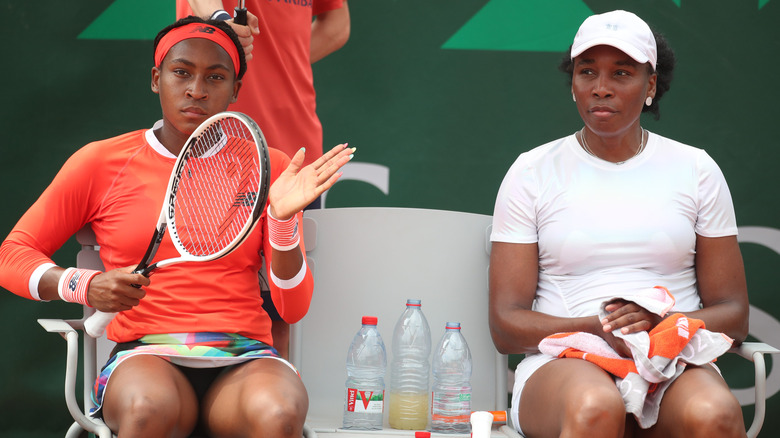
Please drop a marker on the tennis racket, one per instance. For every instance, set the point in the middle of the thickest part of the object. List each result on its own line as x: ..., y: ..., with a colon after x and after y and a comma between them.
x: 216, y: 193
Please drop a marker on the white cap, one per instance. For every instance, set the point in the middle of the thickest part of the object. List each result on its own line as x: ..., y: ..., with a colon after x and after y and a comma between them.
x: 620, y: 29
x: 481, y: 423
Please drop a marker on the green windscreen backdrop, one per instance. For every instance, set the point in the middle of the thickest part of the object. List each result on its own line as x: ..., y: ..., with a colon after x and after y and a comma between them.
x: 439, y: 97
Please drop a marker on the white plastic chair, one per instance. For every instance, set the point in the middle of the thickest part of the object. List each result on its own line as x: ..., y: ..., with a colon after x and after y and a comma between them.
x: 95, y: 352
x: 754, y: 352
x: 368, y: 261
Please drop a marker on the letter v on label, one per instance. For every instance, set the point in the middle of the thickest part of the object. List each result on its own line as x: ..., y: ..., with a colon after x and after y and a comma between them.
x: 366, y: 400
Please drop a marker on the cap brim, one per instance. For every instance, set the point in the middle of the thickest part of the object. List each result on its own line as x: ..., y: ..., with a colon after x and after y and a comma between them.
x: 619, y: 44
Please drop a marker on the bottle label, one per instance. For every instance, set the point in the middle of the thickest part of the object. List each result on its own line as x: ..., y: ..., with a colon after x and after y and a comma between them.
x: 368, y: 402
x: 450, y: 419
x: 451, y: 408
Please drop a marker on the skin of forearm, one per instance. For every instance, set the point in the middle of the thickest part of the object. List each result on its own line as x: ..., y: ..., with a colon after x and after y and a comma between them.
x: 204, y: 8
x: 47, y: 287
x: 729, y: 318
x: 329, y: 32
x: 286, y: 264
x: 512, y: 339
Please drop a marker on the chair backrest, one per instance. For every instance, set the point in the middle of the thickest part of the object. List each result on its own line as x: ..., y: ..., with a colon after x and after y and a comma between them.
x: 368, y: 261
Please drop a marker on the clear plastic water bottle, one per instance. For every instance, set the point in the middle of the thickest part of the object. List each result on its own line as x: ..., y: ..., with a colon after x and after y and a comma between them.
x: 409, y: 390
x: 451, y: 411
x: 365, y: 385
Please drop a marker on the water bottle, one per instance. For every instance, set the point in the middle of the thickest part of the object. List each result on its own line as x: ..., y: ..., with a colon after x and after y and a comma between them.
x: 409, y: 390
x: 366, y: 365
x: 451, y: 411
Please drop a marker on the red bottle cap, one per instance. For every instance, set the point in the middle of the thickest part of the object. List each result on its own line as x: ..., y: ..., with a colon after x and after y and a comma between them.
x: 422, y: 434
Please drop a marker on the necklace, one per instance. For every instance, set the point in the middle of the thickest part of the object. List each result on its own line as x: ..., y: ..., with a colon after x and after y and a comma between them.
x: 642, y: 143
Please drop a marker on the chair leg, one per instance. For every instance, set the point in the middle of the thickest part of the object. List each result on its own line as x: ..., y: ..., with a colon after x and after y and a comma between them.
x: 760, y: 402
x: 76, y: 431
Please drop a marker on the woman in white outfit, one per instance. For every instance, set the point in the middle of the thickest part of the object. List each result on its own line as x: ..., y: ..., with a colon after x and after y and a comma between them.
x: 611, y: 210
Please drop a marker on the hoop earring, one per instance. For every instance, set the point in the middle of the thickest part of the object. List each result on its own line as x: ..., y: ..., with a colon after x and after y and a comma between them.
x: 649, y: 101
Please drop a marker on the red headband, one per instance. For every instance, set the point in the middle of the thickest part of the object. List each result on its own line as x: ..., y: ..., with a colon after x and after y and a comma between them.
x: 197, y: 30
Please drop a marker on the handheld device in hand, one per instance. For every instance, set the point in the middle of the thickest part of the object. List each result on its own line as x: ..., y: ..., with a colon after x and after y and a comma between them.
x: 216, y: 193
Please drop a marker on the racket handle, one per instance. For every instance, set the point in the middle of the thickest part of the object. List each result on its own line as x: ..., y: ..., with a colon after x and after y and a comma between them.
x: 96, y: 324
x: 240, y: 14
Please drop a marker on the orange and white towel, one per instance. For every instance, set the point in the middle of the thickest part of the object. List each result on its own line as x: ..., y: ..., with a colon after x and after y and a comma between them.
x: 658, y: 356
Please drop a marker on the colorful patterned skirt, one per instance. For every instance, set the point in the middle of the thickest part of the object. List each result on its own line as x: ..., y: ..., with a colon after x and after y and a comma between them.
x: 196, y: 350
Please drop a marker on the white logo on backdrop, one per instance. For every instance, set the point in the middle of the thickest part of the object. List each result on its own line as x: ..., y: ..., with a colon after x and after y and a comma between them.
x: 375, y: 174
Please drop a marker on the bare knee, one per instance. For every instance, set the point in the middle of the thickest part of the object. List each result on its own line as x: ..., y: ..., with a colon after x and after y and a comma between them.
x: 143, y: 410
x: 597, y: 412
x: 269, y: 416
x: 144, y: 416
x: 721, y: 417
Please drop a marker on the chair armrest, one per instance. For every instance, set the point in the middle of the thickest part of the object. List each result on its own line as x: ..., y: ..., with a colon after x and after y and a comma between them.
x: 61, y: 326
x: 68, y: 329
x: 748, y: 350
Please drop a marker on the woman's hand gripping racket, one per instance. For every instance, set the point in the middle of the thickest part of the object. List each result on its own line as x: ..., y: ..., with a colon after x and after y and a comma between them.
x: 216, y: 193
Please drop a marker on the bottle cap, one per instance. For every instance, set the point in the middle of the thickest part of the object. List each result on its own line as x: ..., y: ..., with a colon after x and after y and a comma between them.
x: 452, y: 326
x: 411, y: 302
x: 369, y: 320
x: 422, y: 434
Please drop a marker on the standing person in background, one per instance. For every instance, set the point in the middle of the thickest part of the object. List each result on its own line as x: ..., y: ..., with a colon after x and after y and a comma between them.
x: 281, y: 40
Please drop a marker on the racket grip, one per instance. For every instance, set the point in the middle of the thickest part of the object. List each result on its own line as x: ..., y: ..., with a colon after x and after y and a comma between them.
x: 96, y: 324
x: 240, y: 16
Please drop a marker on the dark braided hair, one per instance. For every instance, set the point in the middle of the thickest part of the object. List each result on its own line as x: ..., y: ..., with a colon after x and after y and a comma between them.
x: 216, y: 23
x: 664, y: 69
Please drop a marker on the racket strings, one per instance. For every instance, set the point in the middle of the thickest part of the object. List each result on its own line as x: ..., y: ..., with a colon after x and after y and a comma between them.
x: 218, y: 188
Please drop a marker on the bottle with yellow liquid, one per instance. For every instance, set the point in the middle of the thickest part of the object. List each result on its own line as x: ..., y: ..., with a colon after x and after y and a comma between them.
x: 408, y: 410
x: 409, y: 391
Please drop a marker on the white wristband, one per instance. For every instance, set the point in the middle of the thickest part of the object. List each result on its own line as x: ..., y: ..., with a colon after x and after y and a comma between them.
x: 283, y: 235
x: 292, y: 282
x: 35, y: 279
x: 74, y: 284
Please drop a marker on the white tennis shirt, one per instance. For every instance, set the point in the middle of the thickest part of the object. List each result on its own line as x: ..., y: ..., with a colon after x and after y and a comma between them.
x: 604, y: 228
